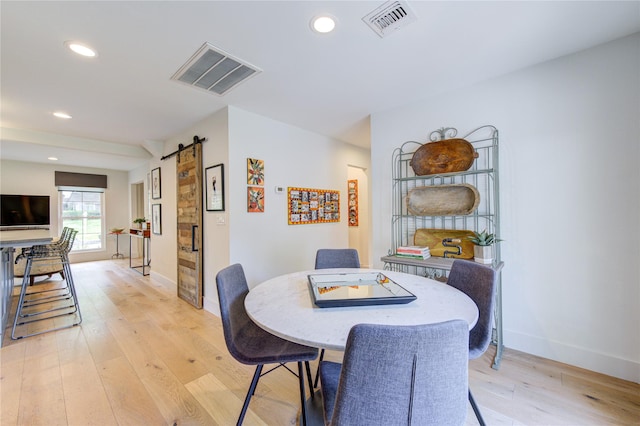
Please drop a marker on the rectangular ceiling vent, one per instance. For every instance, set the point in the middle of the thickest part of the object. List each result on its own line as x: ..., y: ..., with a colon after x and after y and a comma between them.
x: 214, y: 70
x: 390, y: 17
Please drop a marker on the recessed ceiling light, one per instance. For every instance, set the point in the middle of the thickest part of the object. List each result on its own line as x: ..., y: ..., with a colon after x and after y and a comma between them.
x: 323, y: 24
x: 61, y: 114
x: 81, y: 49
x: 52, y: 158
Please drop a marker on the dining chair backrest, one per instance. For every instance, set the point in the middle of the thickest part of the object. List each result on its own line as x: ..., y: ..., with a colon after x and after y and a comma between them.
x: 57, y: 244
x: 232, y: 290
x: 403, y: 375
x: 479, y: 283
x: 67, y: 239
x: 337, y: 258
x: 63, y: 235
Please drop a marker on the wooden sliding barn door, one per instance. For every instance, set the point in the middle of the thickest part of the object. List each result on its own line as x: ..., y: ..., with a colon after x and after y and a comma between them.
x: 189, y: 217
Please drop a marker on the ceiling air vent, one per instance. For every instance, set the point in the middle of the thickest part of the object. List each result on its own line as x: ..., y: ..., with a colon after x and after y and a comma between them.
x: 390, y: 17
x: 214, y: 70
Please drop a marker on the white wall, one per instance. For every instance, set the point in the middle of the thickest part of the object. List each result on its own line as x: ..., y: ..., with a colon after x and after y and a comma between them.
x: 264, y: 243
x: 18, y: 177
x: 570, y: 199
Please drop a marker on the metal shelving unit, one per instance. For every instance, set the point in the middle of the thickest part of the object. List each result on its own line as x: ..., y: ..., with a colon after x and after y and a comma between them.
x: 483, y: 175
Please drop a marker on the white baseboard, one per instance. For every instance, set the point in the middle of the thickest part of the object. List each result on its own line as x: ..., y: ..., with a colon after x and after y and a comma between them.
x: 162, y: 278
x: 580, y: 357
x: 210, y: 304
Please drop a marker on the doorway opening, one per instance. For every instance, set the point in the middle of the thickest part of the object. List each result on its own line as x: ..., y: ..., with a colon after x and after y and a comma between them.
x: 137, y: 210
x: 359, y: 234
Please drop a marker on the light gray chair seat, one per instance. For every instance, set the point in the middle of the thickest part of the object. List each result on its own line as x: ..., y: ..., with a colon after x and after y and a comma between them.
x: 399, y: 375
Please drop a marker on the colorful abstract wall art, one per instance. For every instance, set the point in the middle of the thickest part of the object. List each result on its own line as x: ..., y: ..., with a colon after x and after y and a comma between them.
x: 255, y: 199
x: 308, y: 206
x: 255, y: 172
x: 352, y: 194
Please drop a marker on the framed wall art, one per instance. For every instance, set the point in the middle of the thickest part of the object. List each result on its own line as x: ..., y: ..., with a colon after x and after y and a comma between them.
x: 214, y: 181
x: 156, y: 184
x: 307, y: 206
x: 255, y: 199
x: 255, y: 172
x: 352, y: 193
x: 156, y: 219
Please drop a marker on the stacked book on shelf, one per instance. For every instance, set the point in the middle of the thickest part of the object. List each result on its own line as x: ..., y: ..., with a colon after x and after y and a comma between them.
x: 413, y: 252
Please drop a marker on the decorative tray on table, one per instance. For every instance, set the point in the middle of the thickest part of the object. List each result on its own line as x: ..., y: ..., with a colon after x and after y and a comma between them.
x: 356, y: 289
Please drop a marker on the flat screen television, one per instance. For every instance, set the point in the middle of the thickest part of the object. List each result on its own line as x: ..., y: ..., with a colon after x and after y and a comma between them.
x: 24, y: 211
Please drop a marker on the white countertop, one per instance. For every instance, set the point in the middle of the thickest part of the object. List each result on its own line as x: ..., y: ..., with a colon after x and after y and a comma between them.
x: 24, y: 238
x: 284, y: 307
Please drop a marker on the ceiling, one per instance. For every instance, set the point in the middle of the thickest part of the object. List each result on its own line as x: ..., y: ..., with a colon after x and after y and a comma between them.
x: 124, y: 103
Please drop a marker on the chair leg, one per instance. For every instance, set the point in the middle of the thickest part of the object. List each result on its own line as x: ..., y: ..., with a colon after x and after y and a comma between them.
x: 23, y: 291
x: 252, y: 388
x: 476, y: 410
x: 315, y: 383
x: 302, y: 396
x: 308, y: 367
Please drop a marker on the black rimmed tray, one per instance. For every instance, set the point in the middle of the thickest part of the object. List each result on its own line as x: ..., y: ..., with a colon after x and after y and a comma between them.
x: 356, y: 289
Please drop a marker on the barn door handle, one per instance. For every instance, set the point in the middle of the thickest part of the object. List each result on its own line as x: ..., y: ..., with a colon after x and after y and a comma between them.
x: 193, y: 238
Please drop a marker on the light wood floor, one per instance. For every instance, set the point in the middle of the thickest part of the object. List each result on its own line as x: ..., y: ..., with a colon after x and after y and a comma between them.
x: 144, y: 357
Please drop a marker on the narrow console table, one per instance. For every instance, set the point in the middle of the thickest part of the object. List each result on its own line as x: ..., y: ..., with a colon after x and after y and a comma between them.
x: 145, y: 236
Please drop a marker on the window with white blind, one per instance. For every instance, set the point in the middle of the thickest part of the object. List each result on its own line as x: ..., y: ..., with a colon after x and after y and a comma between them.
x: 84, y: 212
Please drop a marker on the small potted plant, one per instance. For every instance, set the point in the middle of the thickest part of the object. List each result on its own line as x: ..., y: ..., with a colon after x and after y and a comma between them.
x: 483, y: 248
x: 139, y: 221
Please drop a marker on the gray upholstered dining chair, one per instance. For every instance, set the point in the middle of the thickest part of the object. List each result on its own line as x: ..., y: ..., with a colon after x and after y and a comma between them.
x: 399, y: 375
x: 250, y: 344
x: 334, y: 258
x: 479, y: 283
x: 337, y: 258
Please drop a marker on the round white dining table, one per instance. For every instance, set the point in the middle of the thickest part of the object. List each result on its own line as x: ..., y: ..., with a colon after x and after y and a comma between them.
x: 284, y: 306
